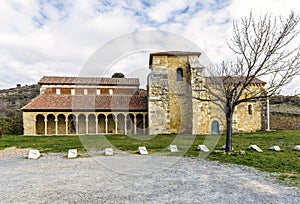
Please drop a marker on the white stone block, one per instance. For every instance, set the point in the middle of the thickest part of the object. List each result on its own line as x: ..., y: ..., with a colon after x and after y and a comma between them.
x: 143, y: 150
x: 224, y: 147
x: 275, y: 148
x: 202, y: 148
x: 34, y: 154
x: 173, y: 148
x: 72, y: 153
x: 254, y: 147
x: 297, y: 148
x: 109, y: 151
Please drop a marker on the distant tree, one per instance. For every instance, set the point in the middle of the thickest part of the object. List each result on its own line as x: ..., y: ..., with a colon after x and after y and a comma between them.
x: 264, y: 48
x: 118, y: 75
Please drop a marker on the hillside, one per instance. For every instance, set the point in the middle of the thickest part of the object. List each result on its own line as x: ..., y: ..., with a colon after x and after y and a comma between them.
x: 14, y: 99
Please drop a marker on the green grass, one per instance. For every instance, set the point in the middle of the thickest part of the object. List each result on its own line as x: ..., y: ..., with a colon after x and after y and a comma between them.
x: 42, y: 143
x: 286, y: 163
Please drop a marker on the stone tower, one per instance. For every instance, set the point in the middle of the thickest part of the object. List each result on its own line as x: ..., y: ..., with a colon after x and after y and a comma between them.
x: 173, y: 83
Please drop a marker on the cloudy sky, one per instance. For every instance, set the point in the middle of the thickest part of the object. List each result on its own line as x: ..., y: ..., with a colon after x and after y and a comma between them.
x: 49, y: 37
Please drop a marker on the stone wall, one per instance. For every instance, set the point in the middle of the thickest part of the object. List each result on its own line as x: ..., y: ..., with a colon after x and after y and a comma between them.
x: 186, y: 106
x: 158, y: 101
x: 284, y: 121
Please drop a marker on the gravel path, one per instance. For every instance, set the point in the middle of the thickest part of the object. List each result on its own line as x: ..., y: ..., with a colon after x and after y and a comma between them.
x: 135, y: 179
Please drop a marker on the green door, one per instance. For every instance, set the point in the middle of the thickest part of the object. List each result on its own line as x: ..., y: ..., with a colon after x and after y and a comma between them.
x: 214, y: 127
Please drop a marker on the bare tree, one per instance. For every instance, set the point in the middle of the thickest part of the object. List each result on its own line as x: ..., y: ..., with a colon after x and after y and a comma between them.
x: 265, y: 48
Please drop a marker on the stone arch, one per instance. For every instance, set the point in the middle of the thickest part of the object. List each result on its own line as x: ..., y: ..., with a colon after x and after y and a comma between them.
x: 61, y: 124
x: 51, y: 127
x: 130, y: 123
x: 71, y: 124
x: 139, y: 123
x: 40, y: 124
x: 111, y: 126
x: 101, y: 123
x: 121, y: 123
x: 92, y: 124
x: 81, y: 124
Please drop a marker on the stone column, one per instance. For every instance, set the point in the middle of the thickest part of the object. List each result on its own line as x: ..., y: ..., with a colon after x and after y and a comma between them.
x: 96, y: 121
x: 34, y: 128
x: 67, y: 124
x: 125, y: 125
x: 134, y: 125
x: 46, y: 126
x: 56, y: 126
x: 144, y: 124
x: 116, y: 124
x: 76, y: 125
x: 106, y: 125
x: 87, y: 125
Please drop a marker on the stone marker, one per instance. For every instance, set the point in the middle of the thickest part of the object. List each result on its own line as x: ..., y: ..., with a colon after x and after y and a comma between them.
x: 297, y: 148
x: 143, y: 150
x: 72, y: 153
x: 254, y: 147
x: 202, y: 148
x: 109, y: 151
x: 173, y: 148
x: 34, y: 154
x: 275, y: 148
x: 224, y: 147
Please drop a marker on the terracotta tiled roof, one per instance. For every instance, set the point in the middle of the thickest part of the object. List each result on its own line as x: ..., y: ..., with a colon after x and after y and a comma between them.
x: 51, y: 80
x: 82, y: 102
x: 234, y: 79
x: 143, y: 93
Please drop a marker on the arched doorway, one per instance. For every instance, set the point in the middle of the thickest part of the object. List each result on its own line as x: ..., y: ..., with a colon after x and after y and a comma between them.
x: 130, y: 123
x: 121, y: 124
x: 72, y: 124
x: 51, y: 124
x: 61, y: 123
x: 40, y: 124
x: 139, y: 124
x: 81, y: 124
x: 101, y: 123
x: 111, y: 126
x: 215, y: 127
x: 92, y: 124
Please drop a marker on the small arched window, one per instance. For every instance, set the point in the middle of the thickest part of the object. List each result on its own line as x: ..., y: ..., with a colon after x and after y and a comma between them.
x: 250, y: 109
x: 179, y: 74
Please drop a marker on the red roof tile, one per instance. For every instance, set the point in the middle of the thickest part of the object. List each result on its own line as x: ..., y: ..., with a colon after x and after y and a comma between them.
x: 54, y: 80
x: 82, y: 102
x: 143, y: 93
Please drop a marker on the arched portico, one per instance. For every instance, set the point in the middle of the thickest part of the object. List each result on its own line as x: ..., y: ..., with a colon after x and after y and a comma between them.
x: 64, y: 123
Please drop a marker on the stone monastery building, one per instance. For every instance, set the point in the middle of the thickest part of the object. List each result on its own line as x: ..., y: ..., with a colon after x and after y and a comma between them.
x: 171, y: 103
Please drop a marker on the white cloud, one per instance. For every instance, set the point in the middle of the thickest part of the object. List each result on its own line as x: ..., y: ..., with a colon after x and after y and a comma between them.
x: 56, y: 37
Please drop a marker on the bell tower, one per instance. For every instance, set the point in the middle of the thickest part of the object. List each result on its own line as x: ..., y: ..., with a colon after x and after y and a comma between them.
x: 171, y: 84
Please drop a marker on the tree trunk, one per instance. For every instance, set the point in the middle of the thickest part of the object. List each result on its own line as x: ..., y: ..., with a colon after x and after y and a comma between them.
x: 228, y: 147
